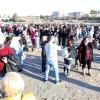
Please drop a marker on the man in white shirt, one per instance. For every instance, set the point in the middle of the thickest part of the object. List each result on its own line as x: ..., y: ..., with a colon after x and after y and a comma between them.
x: 51, y: 58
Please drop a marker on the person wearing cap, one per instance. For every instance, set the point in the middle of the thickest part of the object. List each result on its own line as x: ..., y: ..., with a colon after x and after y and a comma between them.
x: 4, y: 50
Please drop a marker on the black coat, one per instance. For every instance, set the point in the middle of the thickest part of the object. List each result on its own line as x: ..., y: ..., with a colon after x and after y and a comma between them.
x: 43, y: 48
x: 12, y: 65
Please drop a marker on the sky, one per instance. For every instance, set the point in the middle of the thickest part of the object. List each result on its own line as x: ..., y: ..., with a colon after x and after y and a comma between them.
x: 46, y: 7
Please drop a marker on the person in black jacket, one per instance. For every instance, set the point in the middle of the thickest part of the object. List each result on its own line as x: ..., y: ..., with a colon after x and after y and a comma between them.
x: 43, y: 54
x: 64, y: 37
x: 11, y: 63
x: 59, y: 35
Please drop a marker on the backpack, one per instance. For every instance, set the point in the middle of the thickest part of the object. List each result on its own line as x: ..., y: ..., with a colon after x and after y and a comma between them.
x: 25, y: 96
x: 65, y: 52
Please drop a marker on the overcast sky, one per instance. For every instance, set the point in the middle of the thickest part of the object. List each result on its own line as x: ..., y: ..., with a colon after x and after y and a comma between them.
x: 46, y: 7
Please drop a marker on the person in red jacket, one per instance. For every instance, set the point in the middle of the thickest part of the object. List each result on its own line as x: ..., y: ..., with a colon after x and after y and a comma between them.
x: 4, y: 50
x: 85, y: 55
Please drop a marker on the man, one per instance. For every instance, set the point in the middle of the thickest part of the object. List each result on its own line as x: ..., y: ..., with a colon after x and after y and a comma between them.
x: 51, y: 58
x: 4, y: 50
x: 43, y: 53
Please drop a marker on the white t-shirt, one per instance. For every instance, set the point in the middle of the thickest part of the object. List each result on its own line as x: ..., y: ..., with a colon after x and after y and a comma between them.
x: 51, y: 51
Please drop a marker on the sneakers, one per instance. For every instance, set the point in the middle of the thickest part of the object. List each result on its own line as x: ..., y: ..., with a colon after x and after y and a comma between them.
x: 89, y: 74
x: 58, y: 82
x: 69, y: 75
x: 20, y: 70
x: 45, y: 81
x: 65, y: 72
x: 76, y: 68
x: 84, y: 74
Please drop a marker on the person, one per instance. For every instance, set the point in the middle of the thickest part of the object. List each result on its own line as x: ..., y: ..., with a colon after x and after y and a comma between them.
x: 71, y: 36
x: 77, y: 33
x: 24, y: 35
x: 33, y: 37
x: 51, y: 58
x: 37, y: 39
x: 4, y: 50
x: 59, y: 36
x: 64, y: 36
x: 15, y: 44
x: 90, y: 33
x: 43, y: 54
x: 85, y: 54
x: 68, y: 60
x: 76, y: 61
x: 13, y: 85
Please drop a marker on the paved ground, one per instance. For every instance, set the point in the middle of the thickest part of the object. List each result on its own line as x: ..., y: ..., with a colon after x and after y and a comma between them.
x: 77, y: 87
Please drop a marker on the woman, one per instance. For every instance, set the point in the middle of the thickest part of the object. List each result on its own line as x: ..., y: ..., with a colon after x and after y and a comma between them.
x: 33, y: 37
x: 85, y: 54
x: 68, y: 60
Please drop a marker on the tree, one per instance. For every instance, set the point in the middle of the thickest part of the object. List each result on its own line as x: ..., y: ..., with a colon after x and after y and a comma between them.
x: 15, y: 17
x: 93, y: 12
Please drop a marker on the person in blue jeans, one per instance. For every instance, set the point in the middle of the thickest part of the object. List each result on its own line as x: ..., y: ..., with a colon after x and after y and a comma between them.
x: 15, y: 44
x: 51, y: 58
x: 54, y: 64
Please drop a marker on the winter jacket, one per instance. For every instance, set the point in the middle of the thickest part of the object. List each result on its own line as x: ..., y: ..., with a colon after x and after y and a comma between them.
x: 70, y: 49
x: 43, y: 48
x: 12, y: 65
x: 85, y: 53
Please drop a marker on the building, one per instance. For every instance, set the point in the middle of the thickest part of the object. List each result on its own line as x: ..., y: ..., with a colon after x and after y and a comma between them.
x: 58, y: 14
x: 5, y: 17
x: 75, y: 14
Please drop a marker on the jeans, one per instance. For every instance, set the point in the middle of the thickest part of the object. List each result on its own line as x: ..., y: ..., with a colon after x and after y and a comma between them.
x: 54, y: 64
x: 37, y: 42
x: 67, y: 66
x: 20, y: 60
x: 1, y: 75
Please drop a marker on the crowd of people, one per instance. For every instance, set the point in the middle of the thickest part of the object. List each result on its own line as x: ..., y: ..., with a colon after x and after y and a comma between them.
x: 50, y: 37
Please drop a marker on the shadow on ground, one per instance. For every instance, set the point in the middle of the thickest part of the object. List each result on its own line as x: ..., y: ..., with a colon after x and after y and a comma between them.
x: 32, y: 68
